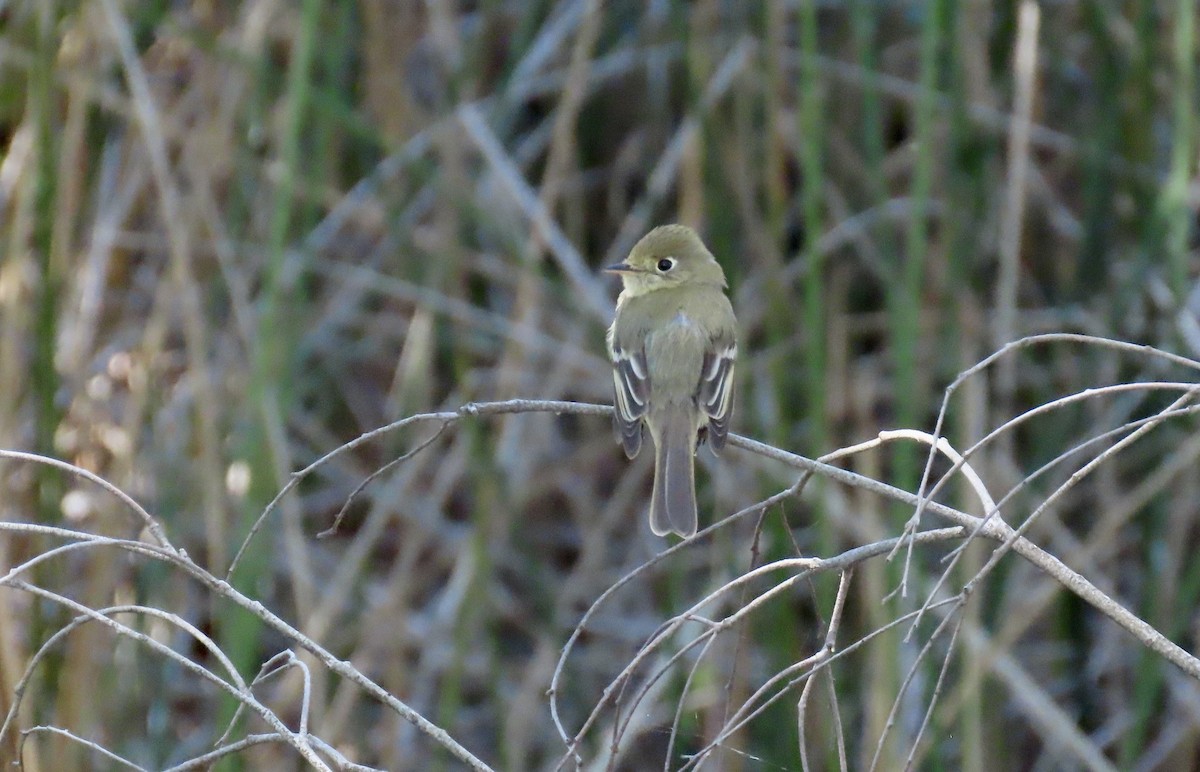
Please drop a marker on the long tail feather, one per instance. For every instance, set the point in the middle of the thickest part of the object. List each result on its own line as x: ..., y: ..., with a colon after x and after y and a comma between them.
x: 673, y: 501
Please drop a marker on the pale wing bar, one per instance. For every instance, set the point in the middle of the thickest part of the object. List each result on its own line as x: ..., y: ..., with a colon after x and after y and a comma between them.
x: 632, y: 385
x: 715, y: 396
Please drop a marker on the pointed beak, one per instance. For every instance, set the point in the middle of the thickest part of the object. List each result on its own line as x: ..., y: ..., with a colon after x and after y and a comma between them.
x: 621, y: 268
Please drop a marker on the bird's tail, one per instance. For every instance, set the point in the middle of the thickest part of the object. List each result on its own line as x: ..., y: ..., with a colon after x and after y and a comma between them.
x: 673, y: 502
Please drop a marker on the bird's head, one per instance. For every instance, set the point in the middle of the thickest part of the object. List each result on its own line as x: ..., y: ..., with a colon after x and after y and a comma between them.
x: 668, y: 256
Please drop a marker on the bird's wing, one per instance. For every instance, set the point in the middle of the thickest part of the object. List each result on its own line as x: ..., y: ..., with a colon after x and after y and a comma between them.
x: 715, y: 396
x: 631, y: 380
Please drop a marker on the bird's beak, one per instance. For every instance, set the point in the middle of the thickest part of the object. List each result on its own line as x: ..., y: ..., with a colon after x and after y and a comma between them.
x: 621, y: 268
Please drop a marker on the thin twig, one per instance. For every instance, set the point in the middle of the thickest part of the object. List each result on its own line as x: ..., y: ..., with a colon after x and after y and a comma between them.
x: 807, y: 567
x: 337, y: 521
x: 469, y: 409
x: 835, y: 621
x: 61, y: 634
x: 89, y: 744
x: 147, y: 519
x: 225, y: 590
x: 937, y: 690
x: 801, y: 671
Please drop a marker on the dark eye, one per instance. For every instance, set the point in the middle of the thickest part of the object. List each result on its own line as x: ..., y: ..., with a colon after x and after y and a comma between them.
x: 666, y: 264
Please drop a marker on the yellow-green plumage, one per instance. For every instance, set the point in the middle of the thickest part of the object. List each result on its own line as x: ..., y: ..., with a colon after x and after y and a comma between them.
x: 673, y: 344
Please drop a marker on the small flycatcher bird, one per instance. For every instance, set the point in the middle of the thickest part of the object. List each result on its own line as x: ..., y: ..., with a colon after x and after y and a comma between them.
x: 673, y: 344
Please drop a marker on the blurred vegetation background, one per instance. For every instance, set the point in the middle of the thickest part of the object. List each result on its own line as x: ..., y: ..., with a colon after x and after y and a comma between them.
x: 234, y: 235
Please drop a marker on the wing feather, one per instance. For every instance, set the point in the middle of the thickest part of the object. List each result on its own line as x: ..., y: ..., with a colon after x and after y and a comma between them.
x: 631, y: 382
x: 715, y: 396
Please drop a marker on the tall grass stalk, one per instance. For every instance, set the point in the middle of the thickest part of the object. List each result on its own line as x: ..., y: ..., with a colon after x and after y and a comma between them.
x: 1176, y: 209
x: 272, y: 364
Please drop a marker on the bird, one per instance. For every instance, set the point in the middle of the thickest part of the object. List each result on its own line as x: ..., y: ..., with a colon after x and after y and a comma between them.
x: 673, y: 346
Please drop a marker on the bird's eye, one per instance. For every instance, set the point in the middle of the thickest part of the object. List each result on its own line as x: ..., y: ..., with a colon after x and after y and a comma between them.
x: 666, y: 264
